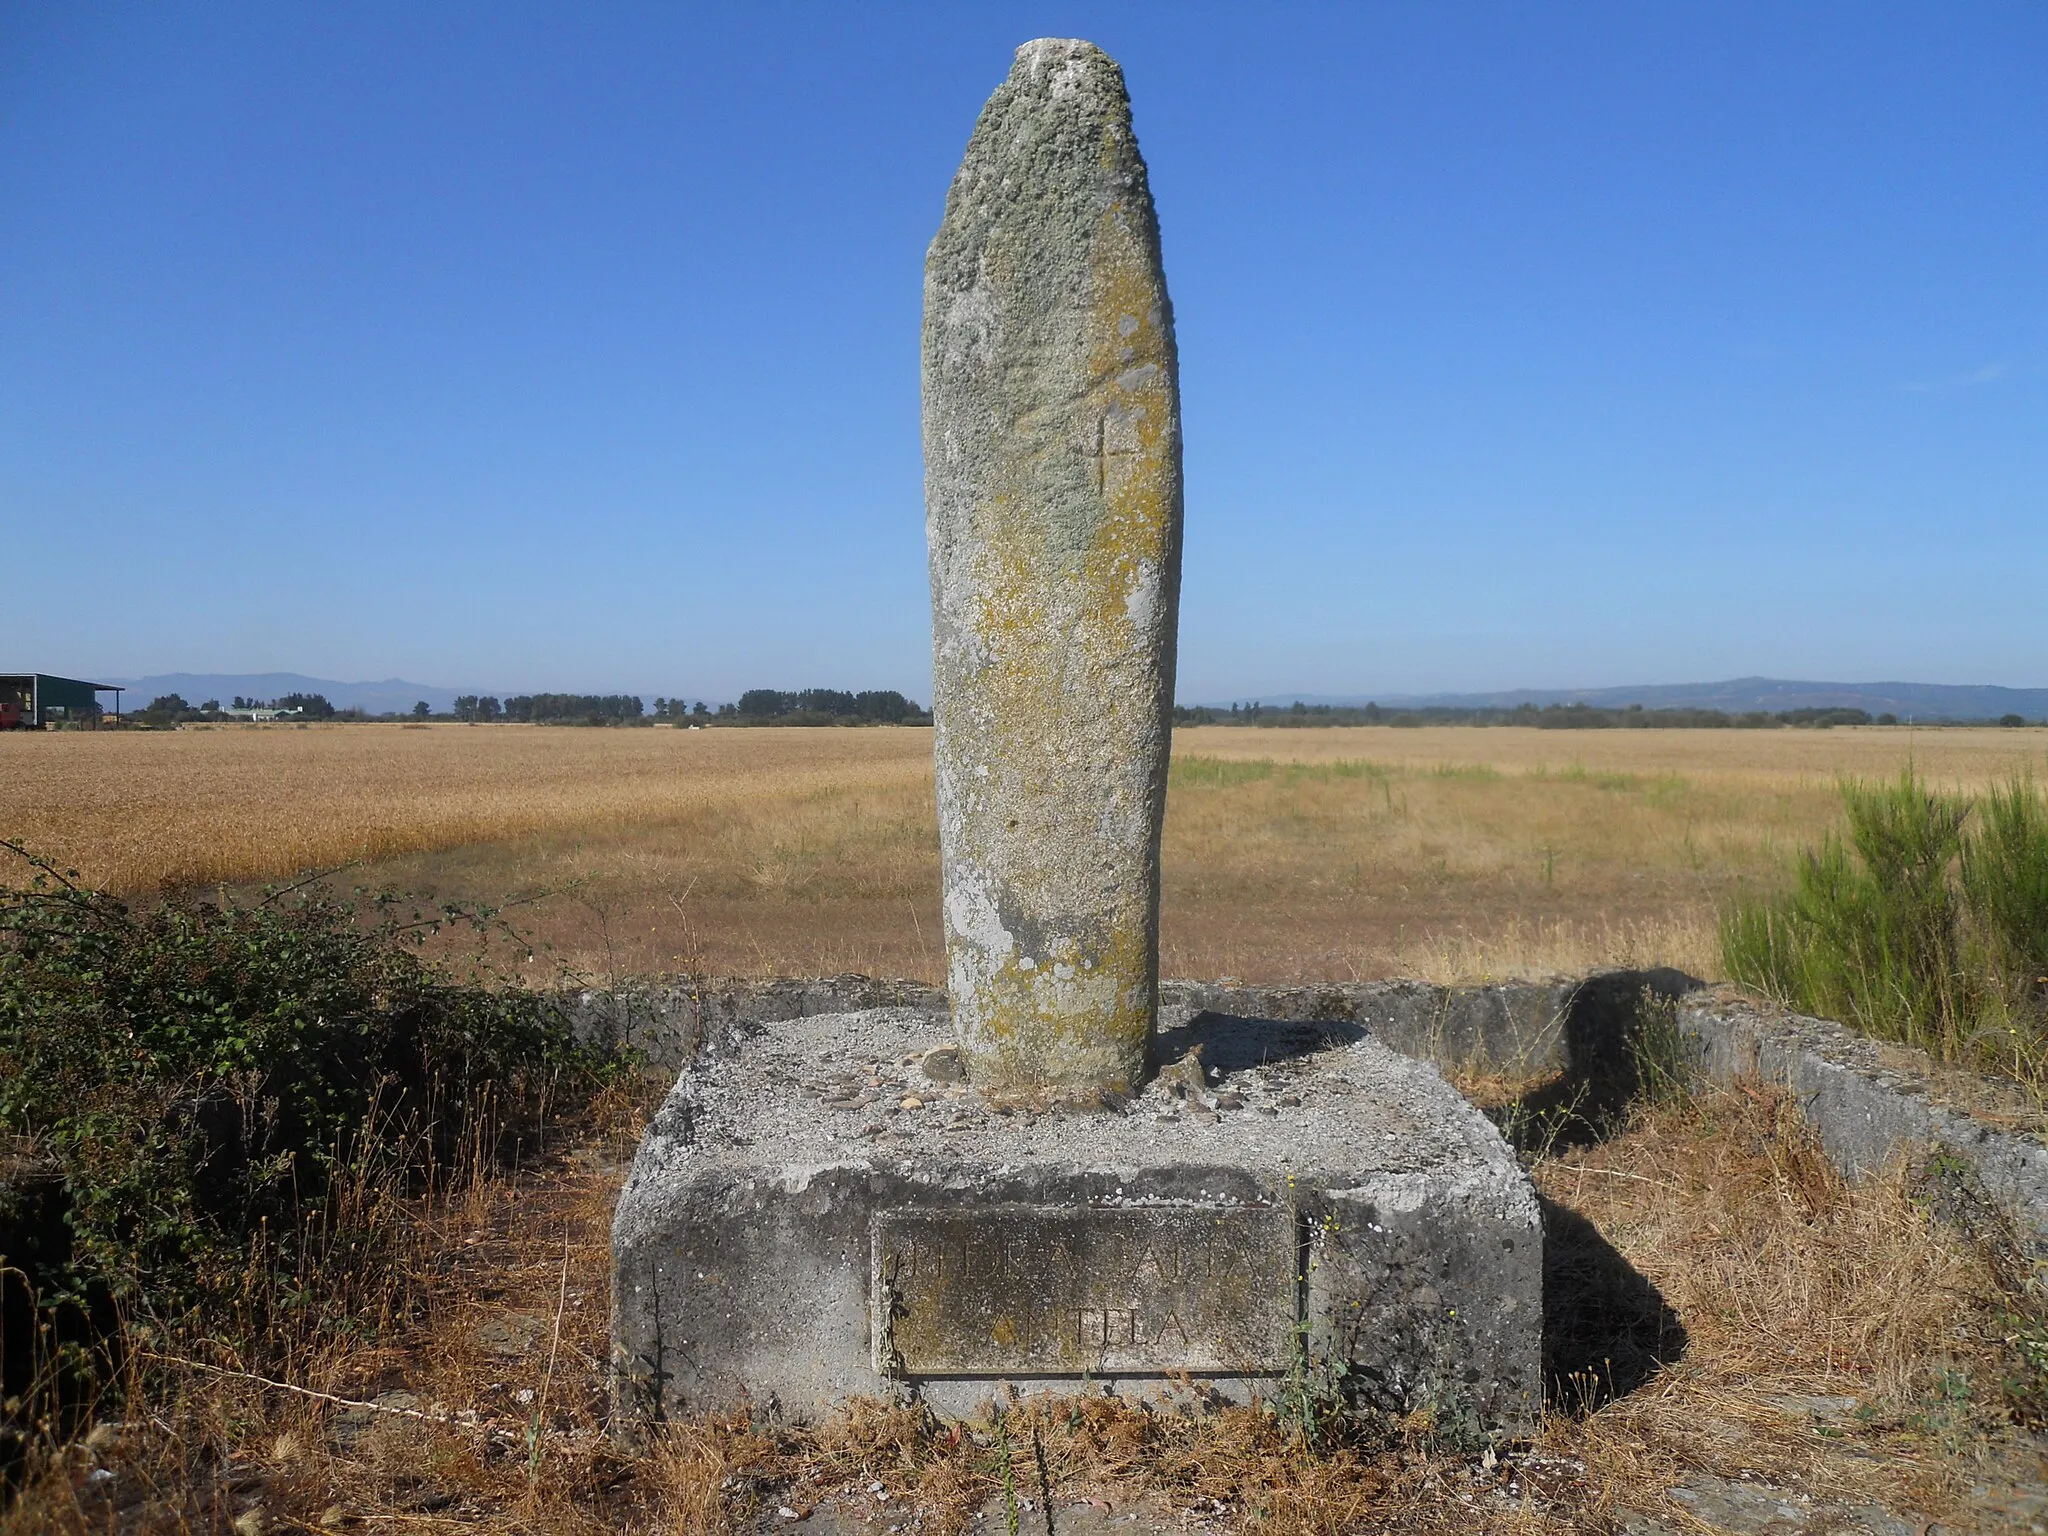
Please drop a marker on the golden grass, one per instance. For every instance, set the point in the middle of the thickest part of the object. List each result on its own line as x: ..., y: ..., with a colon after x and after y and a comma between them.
x: 1788, y: 1283
x: 1792, y: 1285
x: 1289, y: 855
x: 137, y: 810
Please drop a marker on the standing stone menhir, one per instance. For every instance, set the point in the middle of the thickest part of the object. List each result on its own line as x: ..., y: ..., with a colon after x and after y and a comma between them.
x: 1053, y: 509
x: 821, y: 1209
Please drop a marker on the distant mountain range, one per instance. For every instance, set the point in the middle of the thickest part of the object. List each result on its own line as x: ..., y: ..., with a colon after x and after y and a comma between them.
x: 1920, y: 701
x: 392, y: 696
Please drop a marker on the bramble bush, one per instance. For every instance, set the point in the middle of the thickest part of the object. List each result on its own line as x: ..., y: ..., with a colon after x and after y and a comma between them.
x: 203, y: 1076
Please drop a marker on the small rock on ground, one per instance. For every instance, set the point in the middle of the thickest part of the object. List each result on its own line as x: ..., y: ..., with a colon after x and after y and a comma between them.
x: 1760, y: 1509
x: 510, y: 1335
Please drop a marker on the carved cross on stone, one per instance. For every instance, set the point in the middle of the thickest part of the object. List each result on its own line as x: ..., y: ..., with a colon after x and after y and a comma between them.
x: 1116, y: 437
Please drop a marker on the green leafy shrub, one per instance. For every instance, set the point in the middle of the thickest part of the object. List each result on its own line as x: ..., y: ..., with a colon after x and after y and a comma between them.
x: 1918, y: 925
x: 203, y: 1074
x: 2005, y: 880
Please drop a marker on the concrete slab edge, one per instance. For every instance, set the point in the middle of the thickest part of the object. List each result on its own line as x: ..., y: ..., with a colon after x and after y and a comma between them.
x: 1505, y: 1026
x: 1868, y: 1104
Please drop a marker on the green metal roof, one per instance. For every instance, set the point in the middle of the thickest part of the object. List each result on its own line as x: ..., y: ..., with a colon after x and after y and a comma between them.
x: 64, y: 692
x: 51, y: 692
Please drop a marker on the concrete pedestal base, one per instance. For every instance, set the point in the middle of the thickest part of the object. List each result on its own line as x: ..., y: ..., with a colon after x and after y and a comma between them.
x: 816, y: 1214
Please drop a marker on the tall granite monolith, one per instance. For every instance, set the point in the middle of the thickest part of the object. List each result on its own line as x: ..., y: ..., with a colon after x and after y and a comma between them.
x: 821, y: 1210
x: 1053, y: 511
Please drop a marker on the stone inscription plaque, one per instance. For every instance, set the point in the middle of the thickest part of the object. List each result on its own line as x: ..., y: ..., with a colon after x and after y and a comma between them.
x: 1058, y: 1291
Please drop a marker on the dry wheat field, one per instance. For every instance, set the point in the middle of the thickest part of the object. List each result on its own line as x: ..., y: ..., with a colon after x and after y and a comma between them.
x: 1452, y: 852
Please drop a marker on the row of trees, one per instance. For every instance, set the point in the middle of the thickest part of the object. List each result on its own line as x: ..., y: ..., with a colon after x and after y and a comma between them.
x: 757, y: 706
x: 553, y: 708
x: 1566, y: 717
x: 172, y: 708
x: 883, y: 706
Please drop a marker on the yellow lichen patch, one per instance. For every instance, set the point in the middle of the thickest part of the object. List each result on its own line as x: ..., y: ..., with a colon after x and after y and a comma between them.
x: 1070, y: 687
x: 1094, y: 1024
x: 1131, y: 364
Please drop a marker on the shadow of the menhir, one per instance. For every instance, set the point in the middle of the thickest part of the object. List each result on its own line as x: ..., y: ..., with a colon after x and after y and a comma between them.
x: 1231, y: 1043
x: 1606, y: 1328
x: 1612, y: 1034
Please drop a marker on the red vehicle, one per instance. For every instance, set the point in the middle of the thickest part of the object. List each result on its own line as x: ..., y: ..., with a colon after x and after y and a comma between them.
x: 10, y: 715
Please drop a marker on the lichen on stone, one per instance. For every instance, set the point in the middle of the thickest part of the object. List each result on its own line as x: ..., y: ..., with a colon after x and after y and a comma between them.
x: 1053, y: 506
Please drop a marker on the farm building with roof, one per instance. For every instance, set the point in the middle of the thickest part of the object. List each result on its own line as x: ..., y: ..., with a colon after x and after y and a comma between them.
x: 33, y: 700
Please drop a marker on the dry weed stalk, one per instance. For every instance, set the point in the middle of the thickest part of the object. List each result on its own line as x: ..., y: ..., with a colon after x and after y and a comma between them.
x: 1559, y: 947
x: 1793, y: 1287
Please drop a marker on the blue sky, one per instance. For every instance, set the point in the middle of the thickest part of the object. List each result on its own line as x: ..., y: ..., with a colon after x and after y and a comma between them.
x: 573, y: 346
